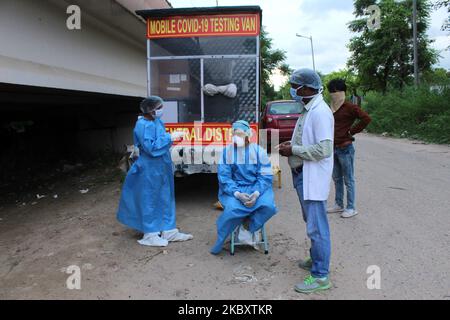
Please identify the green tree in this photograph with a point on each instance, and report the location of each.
(271, 59)
(284, 92)
(438, 76)
(383, 58)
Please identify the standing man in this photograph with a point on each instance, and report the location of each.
(349, 119)
(310, 156)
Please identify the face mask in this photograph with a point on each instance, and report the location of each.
(337, 100)
(240, 142)
(159, 113)
(295, 96)
(301, 99)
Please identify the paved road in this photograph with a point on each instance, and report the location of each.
(403, 195)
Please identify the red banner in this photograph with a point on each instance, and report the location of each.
(207, 134)
(204, 26)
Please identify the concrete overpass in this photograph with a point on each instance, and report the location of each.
(106, 56)
(65, 93)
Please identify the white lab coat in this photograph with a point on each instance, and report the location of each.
(318, 126)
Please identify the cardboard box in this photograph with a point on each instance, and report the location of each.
(174, 86)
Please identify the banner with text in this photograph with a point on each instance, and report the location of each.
(207, 134)
(204, 26)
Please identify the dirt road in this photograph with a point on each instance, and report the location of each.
(403, 195)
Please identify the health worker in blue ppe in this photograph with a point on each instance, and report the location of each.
(148, 195)
(245, 186)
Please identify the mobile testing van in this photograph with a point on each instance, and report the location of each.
(205, 64)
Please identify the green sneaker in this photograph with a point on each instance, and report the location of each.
(311, 285)
(306, 264)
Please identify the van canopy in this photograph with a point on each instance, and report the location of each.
(159, 13)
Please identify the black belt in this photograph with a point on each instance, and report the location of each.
(298, 170)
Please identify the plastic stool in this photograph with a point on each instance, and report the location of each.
(263, 242)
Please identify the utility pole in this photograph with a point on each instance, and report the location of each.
(415, 41)
(312, 48)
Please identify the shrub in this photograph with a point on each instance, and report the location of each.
(414, 112)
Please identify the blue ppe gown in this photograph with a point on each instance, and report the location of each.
(148, 194)
(245, 170)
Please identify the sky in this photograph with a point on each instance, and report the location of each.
(324, 20)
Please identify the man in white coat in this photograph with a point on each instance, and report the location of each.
(310, 154)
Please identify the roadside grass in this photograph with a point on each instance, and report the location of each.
(416, 113)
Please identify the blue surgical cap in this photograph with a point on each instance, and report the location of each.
(150, 104)
(242, 125)
(306, 77)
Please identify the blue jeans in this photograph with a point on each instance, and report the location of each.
(315, 216)
(344, 173)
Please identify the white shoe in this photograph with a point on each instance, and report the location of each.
(335, 209)
(349, 213)
(256, 240)
(245, 236)
(153, 240)
(248, 238)
(176, 236)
